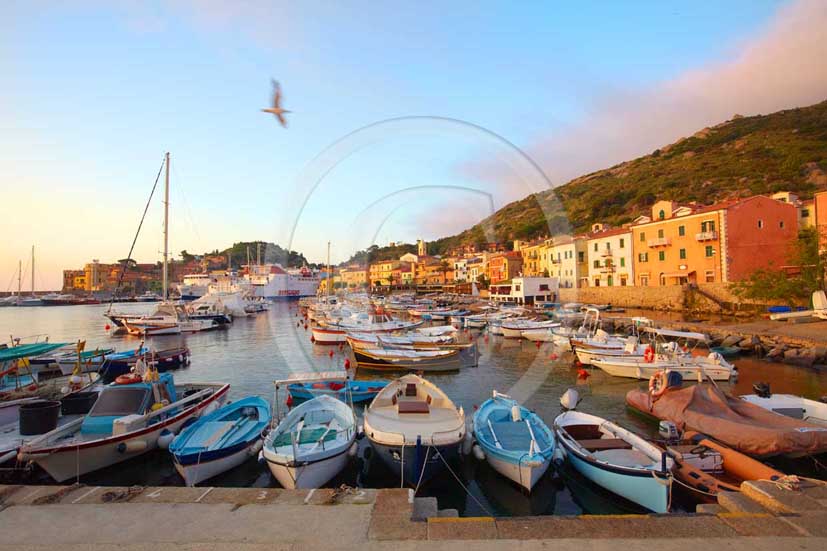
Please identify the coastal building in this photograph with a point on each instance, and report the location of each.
(609, 256)
(804, 208)
(430, 270)
(421, 247)
(504, 266)
(532, 253)
(564, 257)
(525, 290)
(475, 268)
(354, 277)
(460, 270)
(710, 244)
(381, 273)
(820, 208)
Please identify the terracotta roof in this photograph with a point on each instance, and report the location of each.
(607, 233)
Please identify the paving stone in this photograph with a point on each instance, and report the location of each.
(394, 499)
(813, 522)
(7, 490)
(424, 508)
(467, 528)
(448, 513)
(708, 509)
(240, 496)
(168, 494)
(759, 524)
(779, 500)
(394, 526)
(27, 495)
(736, 502)
(615, 526)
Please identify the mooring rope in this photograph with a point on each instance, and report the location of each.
(483, 507)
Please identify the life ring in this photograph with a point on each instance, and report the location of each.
(657, 384)
(649, 354)
(128, 379)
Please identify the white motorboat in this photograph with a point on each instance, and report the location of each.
(312, 444)
(513, 329)
(797, 407)
(126, 421)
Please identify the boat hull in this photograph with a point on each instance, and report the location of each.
(522, 474)
(309, 475)
(644, 370)
(412, 465)
(195, 473)
(365, 361)
(328, 336)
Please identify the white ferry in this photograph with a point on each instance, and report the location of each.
(272, 281)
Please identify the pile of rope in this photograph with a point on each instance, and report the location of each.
(121, 496)
(56, 496)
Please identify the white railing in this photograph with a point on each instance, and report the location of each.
(659, 242)
(706, 236)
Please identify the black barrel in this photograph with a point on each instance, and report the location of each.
(78, 403)
(38, 417)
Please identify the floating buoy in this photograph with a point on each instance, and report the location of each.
(582, 374)
(553, 356)
(107, 327)
(538, 343)
(330, 353)
(478, 453)
(347, 363)
(298, 323)
(578, 363)
(312, 338)
(485, 338)
(165, 438)
(289, 401)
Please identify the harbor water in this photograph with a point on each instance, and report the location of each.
(259, 349)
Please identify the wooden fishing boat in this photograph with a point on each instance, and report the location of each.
(344, 389)
(415, 429)
(221, 440)
(514, 440)
(312, 444)
(126, 421)
(616, 459)
(514, 329)
(401, 359)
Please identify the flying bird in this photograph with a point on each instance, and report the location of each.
(276, 110)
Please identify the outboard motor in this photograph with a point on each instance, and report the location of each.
(762, 390)
(570, 399)
(668, 431)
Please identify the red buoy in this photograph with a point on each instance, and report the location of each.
(330, 353)
(538, 343)
(347, 363)
(289, 400)
(582, 374)
(553, 356)
(312, 338)
(578, 363)
(107, 327)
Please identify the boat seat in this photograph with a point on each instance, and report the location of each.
(583, 432)
(598, 444)
(413, 406)
(410, 390)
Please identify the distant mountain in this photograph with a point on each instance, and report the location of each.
(744, 156)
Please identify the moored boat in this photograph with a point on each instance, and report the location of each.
(616, 459)
(344, 389)
(415, 429)
(408, 359)
(797, 407)
(515, 441)
(221, 440)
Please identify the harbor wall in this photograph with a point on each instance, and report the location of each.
(709, 297)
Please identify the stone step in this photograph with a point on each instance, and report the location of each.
(736, 502)
(424, 508)
(709, 509)
(780, 500)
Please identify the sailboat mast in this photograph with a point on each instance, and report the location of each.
(19, 279)
(166, 228)
(328, 269)
(32, 270)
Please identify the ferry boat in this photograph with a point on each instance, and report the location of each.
(272, 281)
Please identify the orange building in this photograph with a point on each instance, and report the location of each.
(820, 202)
(711, 244)
(504, 266)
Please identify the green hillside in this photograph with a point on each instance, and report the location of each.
(745, 156)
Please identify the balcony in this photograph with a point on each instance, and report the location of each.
(659, 242)
(606, 269)
(707, 236)
(607, 253)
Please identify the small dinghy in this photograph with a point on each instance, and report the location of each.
(516, 442)
(797, 407)
(312, 444)
(220, 441)
(345, 390)
(616, 459)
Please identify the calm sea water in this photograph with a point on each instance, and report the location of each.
(259, 349)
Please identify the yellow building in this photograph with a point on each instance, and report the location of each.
(533, 253)
(381, 273)
(354, 277)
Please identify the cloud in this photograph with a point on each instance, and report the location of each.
(781, 67)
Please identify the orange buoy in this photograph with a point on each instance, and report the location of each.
(582, 374)
(127, 379)
(537, 343)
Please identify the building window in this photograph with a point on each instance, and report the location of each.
(681, 230)
(643, 257)
(805, 213)
(610, 281)
(682, 253)
(597, 283)
(661, 255)
(781, 224)
(622, 242)
(660, 234)
(709, 225)
(644, 281)
(581, 256)
(760, 223)
(661, 214)
(710, 251)
(622, 262)
(643, 236)
(622, 281)
(595, 247)
(710, 276)
(596, 263)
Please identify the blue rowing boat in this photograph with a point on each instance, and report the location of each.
(515, 441)
(220, 441)
(360, 391)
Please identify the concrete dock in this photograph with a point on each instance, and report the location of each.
(763, 517)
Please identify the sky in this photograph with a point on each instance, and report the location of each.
(408, 119)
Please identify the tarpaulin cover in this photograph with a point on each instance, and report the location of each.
(743, 426)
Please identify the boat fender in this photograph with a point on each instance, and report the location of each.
(165, 439)
(132, 446)
(467, 443)
(657, 384)
(570, 399)
(649, 355)
(354, 449)
(478, 453)
(516, 414)
(261, 459)
(128, 379)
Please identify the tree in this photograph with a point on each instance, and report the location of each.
(187, 257)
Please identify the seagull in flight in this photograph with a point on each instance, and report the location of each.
(276, 109)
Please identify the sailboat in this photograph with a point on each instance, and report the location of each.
(169, 318)
(31, 300)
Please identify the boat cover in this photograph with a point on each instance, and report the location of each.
(746, 427)
(28, 350)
